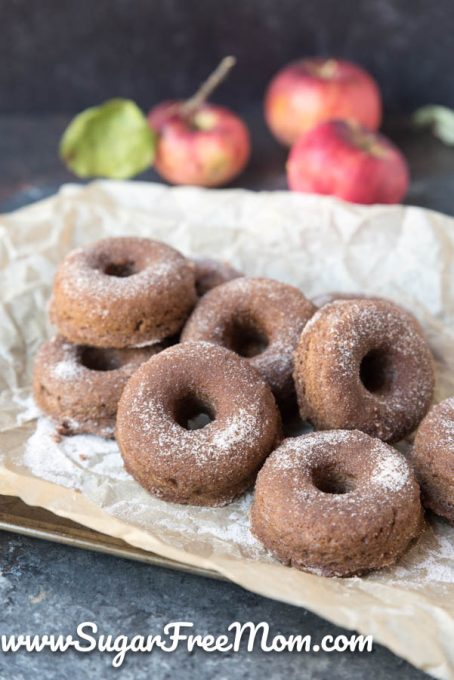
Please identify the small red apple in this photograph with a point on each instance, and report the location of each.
(346, 160)
(207, 148)
(311, 91)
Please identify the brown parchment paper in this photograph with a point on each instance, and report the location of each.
(318, 244)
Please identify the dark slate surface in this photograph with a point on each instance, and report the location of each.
(51, 588)
(30, 168)
(64, 55)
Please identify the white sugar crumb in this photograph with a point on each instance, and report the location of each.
(438, 560)
(307, 446)
(284, 459)
(29, 410)
(429, 562)
(65, 460)
(66, 370)
(333, 437)
(444, 416)
(391, 472)
(94, 466)
(147, 343)
(239, 428)
(226, 526)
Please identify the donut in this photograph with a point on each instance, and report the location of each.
(195, 423)
(364, 365)
(210, 273)
(433, 458)
(260, 319)
(326, 298)
(79, 386)
(122, 292)
(336, 503)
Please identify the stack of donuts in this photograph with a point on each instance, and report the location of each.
(113, 304)
(194, 369)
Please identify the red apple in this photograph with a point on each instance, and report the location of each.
(346, 160)
(209, 148)
(311, 91)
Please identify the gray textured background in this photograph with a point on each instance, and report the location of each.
(62, 55)
(52, 588)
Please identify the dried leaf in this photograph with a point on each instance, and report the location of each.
(441, 120)
(111, 140)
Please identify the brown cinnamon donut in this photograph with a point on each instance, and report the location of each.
(365, 365)
(80, 386)
(336, 503)
(326, 298)
(188, 386)
(433, 459)
(122, 292)
(260, 319)
(210, 273)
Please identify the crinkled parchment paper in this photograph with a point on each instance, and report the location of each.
(318, 244)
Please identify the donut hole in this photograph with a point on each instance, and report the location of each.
(245, 338)
(376, 371)
(193, 413)
(121, 269)
(96, 359)
(332, 480)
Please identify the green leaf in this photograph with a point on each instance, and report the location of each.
(111, 140)
(440, 118)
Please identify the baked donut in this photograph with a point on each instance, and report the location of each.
(364, 365)
(80, 386)
(433, 458)
(260, 319)
(336, 503)
(210, 273)
(195, 423)
(326, 298)
(122, 292)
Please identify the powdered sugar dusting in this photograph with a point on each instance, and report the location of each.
(275, 310)
(237, 430)
(86, 277)
(308, 446)
(28, 408)
(204, 445)
(65, 460)
(443, 419)
(94, 466)
(238, 433)
(391, 473)
(66, 370)
(429, 562)
(389, 470)
(337, 339)
(437, 560)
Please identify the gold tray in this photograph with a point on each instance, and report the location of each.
(23, 519)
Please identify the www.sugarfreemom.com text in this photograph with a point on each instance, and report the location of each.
(180, 634)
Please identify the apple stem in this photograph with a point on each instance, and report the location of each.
(207, 87)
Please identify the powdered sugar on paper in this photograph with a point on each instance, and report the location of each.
(94, 466)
